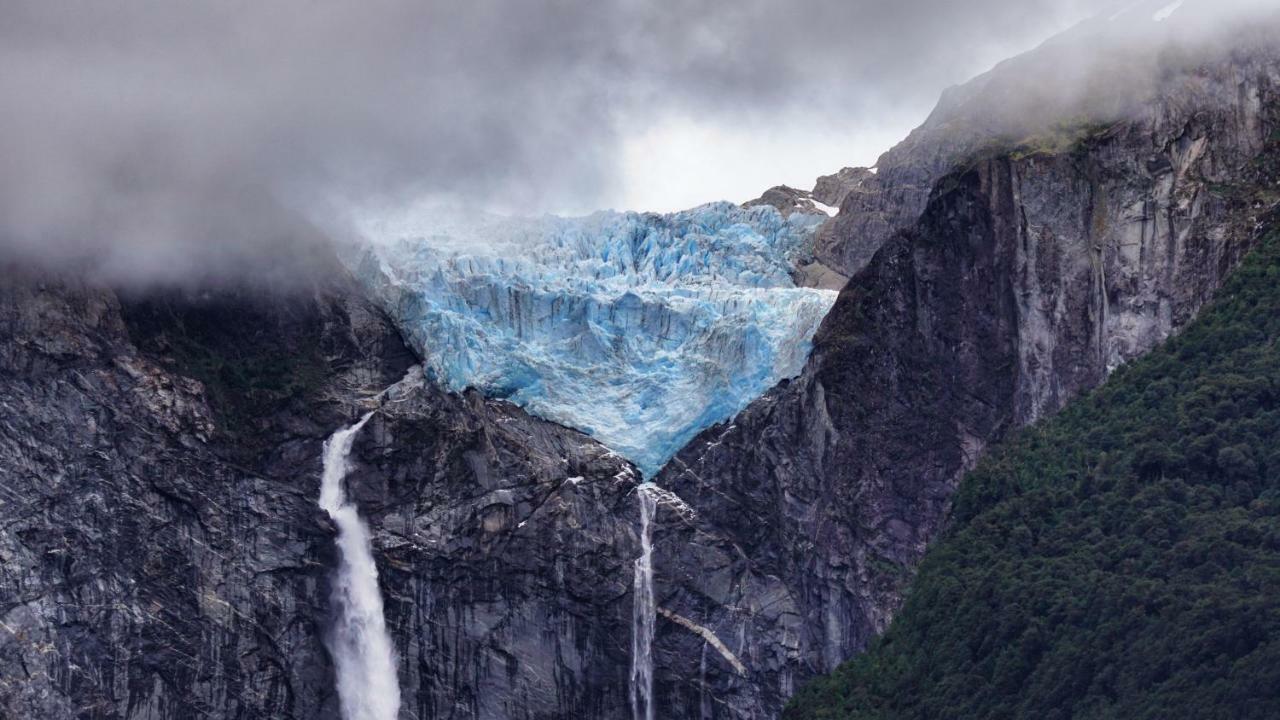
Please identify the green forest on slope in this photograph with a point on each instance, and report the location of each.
(1121, 560)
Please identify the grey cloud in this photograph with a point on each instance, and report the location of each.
(162, 141)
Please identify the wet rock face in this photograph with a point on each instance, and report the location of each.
(505, 548)
(1028, 278)
(144, 573)
(163, 554)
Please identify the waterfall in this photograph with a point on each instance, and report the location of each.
(363, 655)
(704, 700)
(643, 611)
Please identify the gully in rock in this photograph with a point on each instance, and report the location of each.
(363, 656)
(644, 611)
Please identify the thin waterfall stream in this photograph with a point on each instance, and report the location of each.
(363, 655)
(644, 610)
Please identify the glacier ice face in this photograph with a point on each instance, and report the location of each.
(638, 329)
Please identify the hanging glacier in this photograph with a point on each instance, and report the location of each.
(639, 329)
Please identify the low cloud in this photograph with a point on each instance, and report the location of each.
(178, 142)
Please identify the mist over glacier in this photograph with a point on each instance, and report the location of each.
(639, 329)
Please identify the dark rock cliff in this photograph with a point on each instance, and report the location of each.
(1107, 70)
(148, 569)
(163, 555)
(505, 546)
(1035, 269)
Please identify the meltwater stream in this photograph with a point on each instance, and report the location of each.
(643, 611)
(363, 655)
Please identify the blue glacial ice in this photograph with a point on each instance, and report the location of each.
(638, 329)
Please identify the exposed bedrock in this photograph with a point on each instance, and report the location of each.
(1031, 274)
(163, 555)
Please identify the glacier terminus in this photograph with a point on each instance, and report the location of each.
(639, 329)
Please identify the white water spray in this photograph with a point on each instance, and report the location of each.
(643, 611)
(363, 655)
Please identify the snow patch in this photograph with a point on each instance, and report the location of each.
(830, 210)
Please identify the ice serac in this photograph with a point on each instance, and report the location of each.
(639, 329)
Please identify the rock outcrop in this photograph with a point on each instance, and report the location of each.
(833, 189)
(505, 546)
(809, 271)
(787, 200)
(1107, 70)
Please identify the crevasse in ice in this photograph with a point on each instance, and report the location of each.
(638, 329)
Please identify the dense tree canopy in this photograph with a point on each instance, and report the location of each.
(1121, 560)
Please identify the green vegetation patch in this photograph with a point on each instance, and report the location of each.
(1065, 137)
(1121, 560)
(246, 382)
(254, 358)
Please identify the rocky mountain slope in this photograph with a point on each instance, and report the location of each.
(1035, 270)
(146, 571)
(1111, 68)
(162, 554)
(1121, 560)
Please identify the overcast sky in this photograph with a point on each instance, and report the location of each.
(823, 86)
(166, 135)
